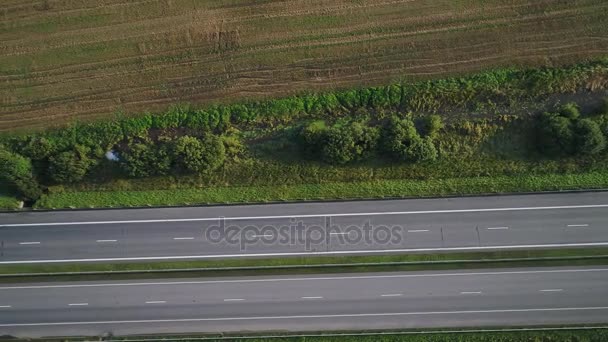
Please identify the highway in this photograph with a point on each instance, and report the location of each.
(530, 296)
(333, 228)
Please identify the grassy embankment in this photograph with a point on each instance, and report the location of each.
(330, 191)
(62, 61)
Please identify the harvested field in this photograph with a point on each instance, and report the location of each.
(63, 60)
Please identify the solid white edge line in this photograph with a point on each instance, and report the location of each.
(216, 319)
(281, 254)
(448, 211)
(30, 243)
(270, 280)
(578, 225)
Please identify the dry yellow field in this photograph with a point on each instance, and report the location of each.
(63, 60)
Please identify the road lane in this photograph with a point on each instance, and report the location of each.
(579, 219)
(299, 303)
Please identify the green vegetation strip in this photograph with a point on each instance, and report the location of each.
(554, 334)
(330, 191)
(8, 202)
(305, 265)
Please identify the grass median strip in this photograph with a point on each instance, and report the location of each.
(304, 265)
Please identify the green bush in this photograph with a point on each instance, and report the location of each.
(422, 150)
(589, 137)
(70, 166)
(312, 138)
(143, 160)
(431, 125)
(38, 148)
(403, 142)
(16, 170)
(351, 142)
(199, 156)
(233, 146)
(570, 111)
(555, 135)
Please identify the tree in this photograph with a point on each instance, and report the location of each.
(16, 170)
(70, 166)
(403, 142)
(589, 137)
(555, 134)
(197, 155)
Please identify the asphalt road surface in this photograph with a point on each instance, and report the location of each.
(530, 296)
(455, 224)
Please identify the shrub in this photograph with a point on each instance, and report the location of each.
(16, 170)
(200, 156)
(142, 160)
(233, 146)
(570, 111)
(38, 148)
(422, 149)
(589, 137)
(312, 137)
(70, 166)
(555, 134)
(338, 146)
(404, 143)
(431, 125)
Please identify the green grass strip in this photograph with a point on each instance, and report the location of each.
(308, 265)
(548, 334)
(329, 191)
